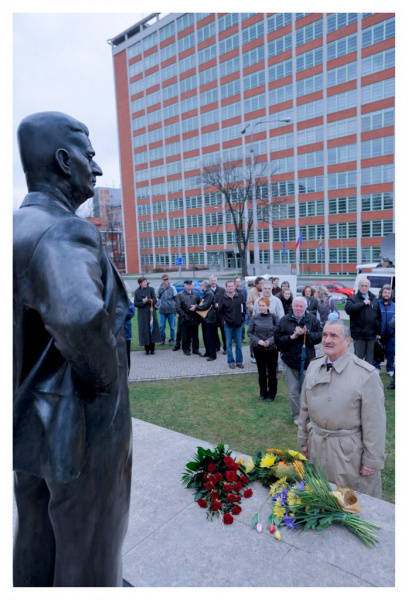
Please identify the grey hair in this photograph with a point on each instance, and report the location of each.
(266, 282)
(344, 327)
(302, 299)
(206, 284)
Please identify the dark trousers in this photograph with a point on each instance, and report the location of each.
(150, 348)
(365, 349)
(267, 362)
(178, 334)
(128, 342)
(209, 332)
(189, 335)
(219, 326)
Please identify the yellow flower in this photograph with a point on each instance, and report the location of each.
(297, 455)
(250, 466)
(279, 510)
(240, 461)
(267, 460)
(277, 486)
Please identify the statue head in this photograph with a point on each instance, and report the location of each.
(56, 153)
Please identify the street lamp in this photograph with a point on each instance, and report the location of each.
(254, 205)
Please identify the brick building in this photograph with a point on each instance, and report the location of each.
(315, 96)
(107, 216)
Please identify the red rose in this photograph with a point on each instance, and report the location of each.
(212, 467)
(205, 476)
(237, 498)
(227, 460)
(216, 506)
(227, 487)
(231, 498)
(214, 495)
(218, 477)
(227, 519)
(202, 502)
(237, 486)
(235, 466)
(248, 493)
(231, 476)
(209, 485)
(244, 479)
(211, 478)
(236, 510)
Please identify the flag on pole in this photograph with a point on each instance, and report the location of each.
(299, 241)
(284, 245)
(319, 248)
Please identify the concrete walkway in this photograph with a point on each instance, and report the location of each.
(170, 543)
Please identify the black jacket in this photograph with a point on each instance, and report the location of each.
(231, 311)
(365, 319)
(312, 305)
(183, 302)
(291, 349)
(208, 303)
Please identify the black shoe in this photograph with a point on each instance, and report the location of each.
(211, 358)
(269, 399)
(224, 352)
(218, 349)
(261, 397)
(391, 386)
(152, 352)
(147, 352)
(175, 348)
(187, 353)
(198, 353)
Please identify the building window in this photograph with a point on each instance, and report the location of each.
(378, 62)
(252, 81)
(311, 184)
(187, 84)
(378, 174)
(253, 56)
(339, 231)
(343, 255)
(209, 97)
(146, 243)
(342, 46)
(377, 228)
(379, 32)
(194, 220)
(172, 129)
(187, 63)
(342, 74)
(378, 91)
(342, 101)
(167, 51)
(175, 204)
(377, 147)
(145, 226)
(310, 160)
(135, 69)
(344, 179)
(185, 21)
(191, 143)
(342, 128)
(228, 44)
(281, 94)
(282, 69)
(156, 153)
(309, 59)
(379, 201)
(341, 154)
(186, 42)
(279, 257)
(207, 54)
(280, 45)
(252, 33)
(231, 88)
(377, 119)
(150, 40)
(309, 32)
(196, 258)
(313, 208)
(226, 21)
(250, 104)
(167, 31)
(342, 205)
(284, 233)
(339, 20)
(283, 165)
(284, 211)
(210, 117)
(193, 202)
(282, 142)
(309, 85)
(215, 239)
(229, 66)
(173, 148)
(143, 209)
(204, 33)
(135, 49)
(171, 110)
(310, 136)
(310, 110)
(279, 20)
(160, 225)
(370, 254)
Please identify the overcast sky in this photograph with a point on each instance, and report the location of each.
(62, 62)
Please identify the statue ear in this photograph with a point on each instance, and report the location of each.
(63, 160)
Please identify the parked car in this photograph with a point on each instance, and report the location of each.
(179, 285)
(333, 286)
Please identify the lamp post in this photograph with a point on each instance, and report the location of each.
(254, 205)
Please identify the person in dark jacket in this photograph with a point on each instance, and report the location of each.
(286, 298)
(166, 295)
(261, 332)
(308, 293)
(365, 320)
(186, 301)
(218, 291)
(231, 310)
(325, 304)
(208, 315)
(289, 338)
(128, 329)
(387, 339)
(145, 302)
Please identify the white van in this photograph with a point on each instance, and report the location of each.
(377, 278)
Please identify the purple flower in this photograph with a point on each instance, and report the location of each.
(301, 485)
(290, 522)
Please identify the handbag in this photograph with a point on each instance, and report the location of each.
(379, 351)
(203, 313)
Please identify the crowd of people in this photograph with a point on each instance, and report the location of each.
(336, 397)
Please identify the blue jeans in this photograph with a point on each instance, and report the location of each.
(236, 334)
(172, 320)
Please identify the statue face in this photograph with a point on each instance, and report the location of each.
(84, 169)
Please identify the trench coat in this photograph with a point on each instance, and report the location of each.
(143, 316)
(342, 421)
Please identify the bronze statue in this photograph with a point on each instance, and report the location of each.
(72, 425)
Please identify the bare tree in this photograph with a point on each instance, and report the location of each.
(233, 180)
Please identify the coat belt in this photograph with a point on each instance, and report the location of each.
(334, 432)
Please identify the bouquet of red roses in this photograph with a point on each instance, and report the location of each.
(219, 482)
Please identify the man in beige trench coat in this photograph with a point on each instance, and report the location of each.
(342, 416)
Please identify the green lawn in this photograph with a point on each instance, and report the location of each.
(226, 409)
